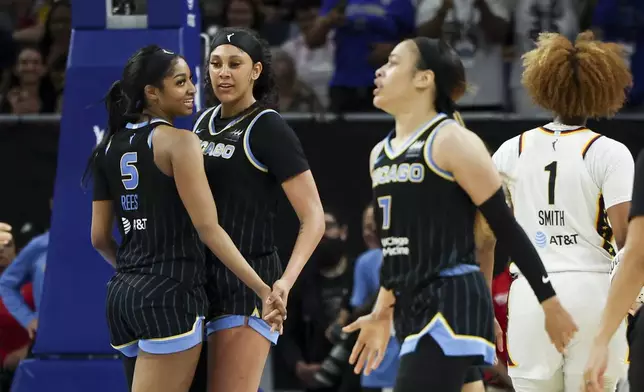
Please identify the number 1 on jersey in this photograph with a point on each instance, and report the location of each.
(551, 168)
(384, 202)
(129, 173)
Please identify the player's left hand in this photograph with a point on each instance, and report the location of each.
(281, 289)
(274, 313)
(371, 345)
(595, 368)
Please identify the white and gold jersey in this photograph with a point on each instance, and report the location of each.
(561, 180)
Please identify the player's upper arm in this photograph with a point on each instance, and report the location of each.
(506, 157)
(612, 168)
(191, 181)
(271, 145)
(99, 177)
(102, 224)
(462, 154)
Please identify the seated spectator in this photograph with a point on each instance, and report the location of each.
(27, 267)
(622, 21)
(28, 90)
(14, 339)
(57, 34)
(476, 30)
(365, 32)
(314, 66)
(294, 94)
(532, 17)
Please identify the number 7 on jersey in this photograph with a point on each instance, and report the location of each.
(384, 202)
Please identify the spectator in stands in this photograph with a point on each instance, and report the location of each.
(276, 28)
(27, 267)
(5, 235)
(366, 284)
(242, 13)
(14, 339)
(314, 66)
(314, 304)
(24, 21)
(294, 94)
(476, 29)
(365, 33)
(622, 21)
(28, 90)
(57, 34)
(532, 17)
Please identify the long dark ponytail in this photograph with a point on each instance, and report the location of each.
(125, 99)
(449, 72)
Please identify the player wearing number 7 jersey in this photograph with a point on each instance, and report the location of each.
(150, 177)
(430, 176)
(571, 190)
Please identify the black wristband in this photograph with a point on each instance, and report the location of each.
(514, 239)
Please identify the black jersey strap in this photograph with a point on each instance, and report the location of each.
(512, 237)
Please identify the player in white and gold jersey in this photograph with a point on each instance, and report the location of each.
(571, 190)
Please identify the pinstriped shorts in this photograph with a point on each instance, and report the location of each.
(154, 313)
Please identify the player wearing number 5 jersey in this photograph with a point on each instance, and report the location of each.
(571, 190)
(150, 177)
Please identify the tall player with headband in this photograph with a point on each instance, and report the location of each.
(252, 157)
(150, 177)
(429, 177)
(571, 189)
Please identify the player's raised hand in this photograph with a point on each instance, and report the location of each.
(371, 345)
(559, 323)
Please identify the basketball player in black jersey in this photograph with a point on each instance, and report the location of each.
(429, 176)
(252, 156)
(150, 177)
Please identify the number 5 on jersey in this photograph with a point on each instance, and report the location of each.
(129, 173)
(384, 202)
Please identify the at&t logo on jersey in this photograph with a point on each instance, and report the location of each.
(217, 149)
(404, 172)
(137, 224)
(542, 239)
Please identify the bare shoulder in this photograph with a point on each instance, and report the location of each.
(168, 136)
(454, 138)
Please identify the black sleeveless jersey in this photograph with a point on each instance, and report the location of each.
(426, 219)
(157, 236)
(247, 159)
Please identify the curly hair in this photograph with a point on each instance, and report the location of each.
(586, 79)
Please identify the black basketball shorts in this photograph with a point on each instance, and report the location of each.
(232, 303)
(154, 314)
